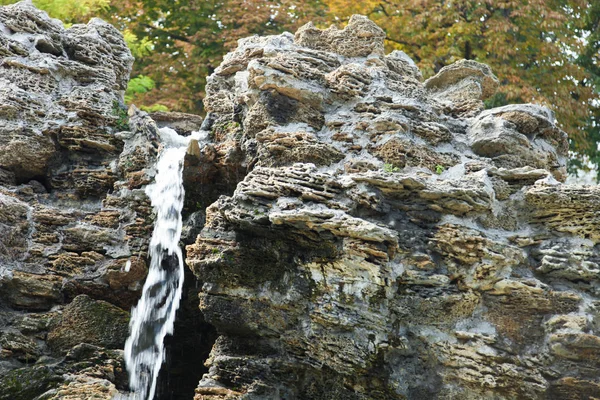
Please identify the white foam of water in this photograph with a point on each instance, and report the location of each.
(153, 317)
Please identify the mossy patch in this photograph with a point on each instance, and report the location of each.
(122, 119)
(28, 383)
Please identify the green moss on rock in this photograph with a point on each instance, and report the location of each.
(28, 383)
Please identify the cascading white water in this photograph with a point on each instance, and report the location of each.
(153, 317)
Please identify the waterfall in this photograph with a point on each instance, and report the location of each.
(153, 317)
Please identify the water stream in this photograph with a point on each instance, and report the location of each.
(153, 317)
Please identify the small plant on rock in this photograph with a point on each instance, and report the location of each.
(122, 122)
(390, 168)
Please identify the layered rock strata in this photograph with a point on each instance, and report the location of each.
(389, 238)
(74, 219)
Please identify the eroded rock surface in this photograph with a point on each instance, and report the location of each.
(355, 232)
(388, 237)
(74, 219)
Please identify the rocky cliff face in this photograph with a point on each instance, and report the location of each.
(391, 238)
(353, 231)
(74, 223)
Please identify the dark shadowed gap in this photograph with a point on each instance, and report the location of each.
(187, 349)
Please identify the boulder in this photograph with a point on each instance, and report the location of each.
(94, 322)
(74, 77)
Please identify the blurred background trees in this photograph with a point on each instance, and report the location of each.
(190, 38)
(543, 51)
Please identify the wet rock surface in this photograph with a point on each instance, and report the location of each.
(85, 320)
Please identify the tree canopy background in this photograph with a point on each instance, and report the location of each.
(543, 51)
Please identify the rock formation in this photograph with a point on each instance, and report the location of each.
(391, 239)
(72, 214)
(354, 232)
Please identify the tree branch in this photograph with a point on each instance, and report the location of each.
(402, 42)
(383, 9)
(167, 33)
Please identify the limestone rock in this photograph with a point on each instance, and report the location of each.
(466, 78)
(84, 387)
(401, 63)
(88, 321)
(31, 291)
(388, 238)
(28, 383)
(19, 346)
(360, 38)
(74, 77)
(73, 215)
(517, 136)
(462, 86)
(86, 372)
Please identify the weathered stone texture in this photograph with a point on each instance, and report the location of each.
(355, 232)
(74, 220)
(61, 90)
(86, 320)
(390, 238)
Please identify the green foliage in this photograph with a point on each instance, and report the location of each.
(439, 169)
(154, 108)
(72, 11)
(69, 11)
(139, 84)
(189, 39)
(122, 119)
(390, 168)
(139, 47)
